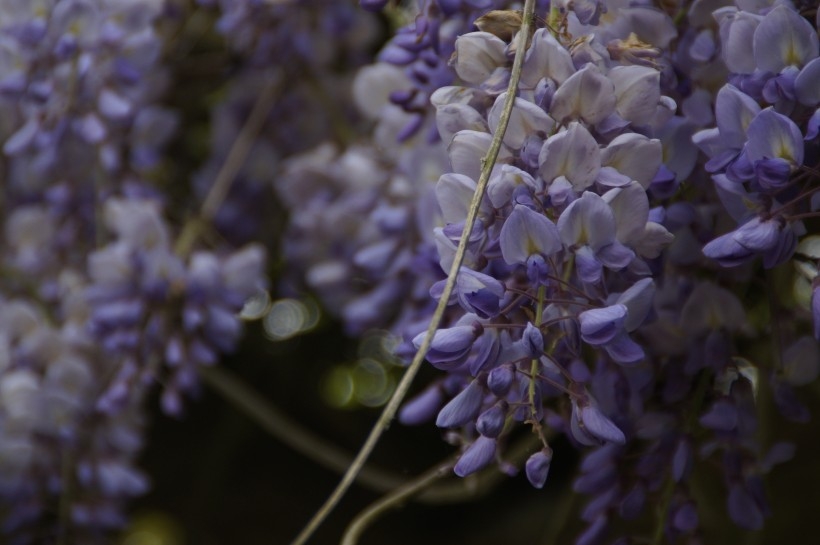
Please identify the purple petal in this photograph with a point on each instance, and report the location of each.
(813, 126)
(91, 128)
(727, 251)
(504, 182)
(615, 256)
(468, 148)
(476, 457)
(633, 503)
(546, 57)
(23, 138)
(538, 467)
(452, 118)
(533, 341)
(703, 47)
(600, 325)
(526, 233)
(423, 407)
(587, 221)
(479, 293)
(598, 425)
(610, 177)
(485, 353)
(782, 39)
(757, 235)
(589, 268)
(572, 153)
(635, 156)
(806, 88)
(788, 403)
(722, 416)
(478, 54)
(743, 509)
(772, 173)
(630, 206)
(595, 533)
(525, 119)
(500, 380)
(113, 105)
(682, 461)
(638, 92)
(490, 423)
(734, 111)
(638, 300)
(454, 192)
(685, 518)
(587, 94)
(463, 408)
(773, 135)
(449, 344)
(801, 362)
(737, 30)
(624, 350)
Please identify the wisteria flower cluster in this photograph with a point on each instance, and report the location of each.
(584, 304)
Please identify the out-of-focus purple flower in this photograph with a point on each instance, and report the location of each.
(743, 508)
(757, 236)
(423, 407)
(722, 416)
(605, 327)
(590, 426)
(373, 5)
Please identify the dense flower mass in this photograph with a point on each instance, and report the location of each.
(577, 308)
(102, 299)
(642, 278)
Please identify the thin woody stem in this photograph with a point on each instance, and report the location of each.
(404, 385)
(236, 158)
(394, 499)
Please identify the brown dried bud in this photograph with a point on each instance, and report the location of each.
(503, 23)
(633, 51)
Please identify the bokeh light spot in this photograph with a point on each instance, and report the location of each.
(290, 317)
(372, 385)
(153, 528)
(256, 307)
(337, 387)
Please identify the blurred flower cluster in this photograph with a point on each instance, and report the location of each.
(643, 277)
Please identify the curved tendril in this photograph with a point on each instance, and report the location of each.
(392, 500)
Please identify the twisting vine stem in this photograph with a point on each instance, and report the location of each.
(407, 379)
(394, 499)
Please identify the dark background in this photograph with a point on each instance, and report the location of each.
(219, 479)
